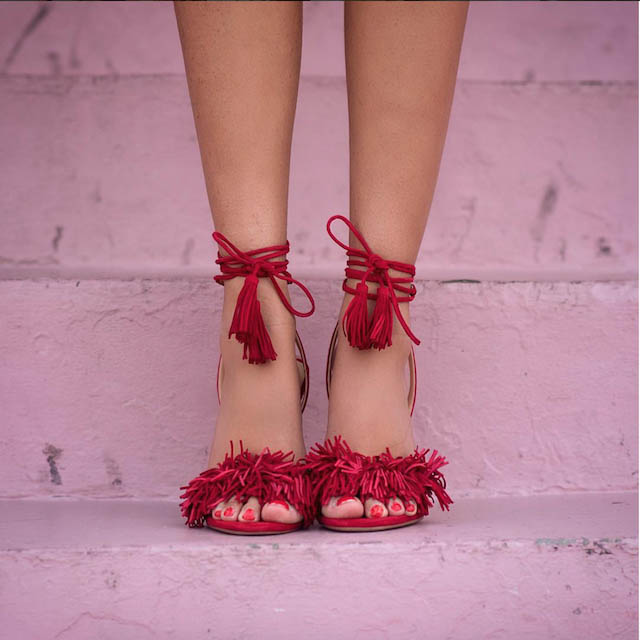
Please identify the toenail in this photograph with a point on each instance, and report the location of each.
(228, 512)
(376, 511)
(280, 503)
(249, 515)
(218, 513)
(396, 506)
(410, 507)
(344, 499)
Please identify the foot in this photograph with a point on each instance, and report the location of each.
(259, 403)
(369, 408)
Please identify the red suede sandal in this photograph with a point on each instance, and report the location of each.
(268, 476)
(337, 470)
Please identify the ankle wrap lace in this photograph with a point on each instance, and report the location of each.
(362, 331)
(247, 324)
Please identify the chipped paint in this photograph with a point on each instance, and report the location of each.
(52, 454)
(601, 546)
(40, 13)
(57, 237)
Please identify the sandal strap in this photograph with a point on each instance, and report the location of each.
(247, 324)
(365, 265)
(337, 470)
(268, 476)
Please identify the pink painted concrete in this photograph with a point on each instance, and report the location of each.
(553, 567)
(537, 182)
(527, 387)
(516, 42)
(108, 339)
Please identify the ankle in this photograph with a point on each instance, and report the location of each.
(273, 311)
(279, 323)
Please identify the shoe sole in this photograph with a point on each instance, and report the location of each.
(355, 525)
(234, 527)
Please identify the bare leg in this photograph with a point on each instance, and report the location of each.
(243, 64)
(402, 61)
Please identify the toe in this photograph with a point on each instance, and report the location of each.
(216, 512)
(250, 512)
(395, 507)
(375, 509)
(230, 509)
(410, 507)
(280, 511)
(343, 507)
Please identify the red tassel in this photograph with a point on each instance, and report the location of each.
(355, 321)
(382, 321)
(248, 325)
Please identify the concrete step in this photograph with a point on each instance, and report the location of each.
(537, 182)
(108, 386)
(519, 42)
(536, 567)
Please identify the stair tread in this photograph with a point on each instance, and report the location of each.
(562, 566)
(596, 520)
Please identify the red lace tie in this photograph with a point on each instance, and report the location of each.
(247, 323)
(363, 264)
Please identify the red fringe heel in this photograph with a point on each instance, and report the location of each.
(335, 469)
(268, 476)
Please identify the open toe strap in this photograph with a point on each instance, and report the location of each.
(336, 470)
(266, 476)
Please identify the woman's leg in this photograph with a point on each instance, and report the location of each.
(243, 63)
(402, 61)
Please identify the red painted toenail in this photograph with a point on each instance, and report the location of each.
(344, 499)
(228, 512)
(376, 511)
(281, 503)
(249, 515)
(218, 513)
(396, 506)
(410, 507)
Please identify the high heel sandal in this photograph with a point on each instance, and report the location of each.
(335, 469)
(268, 476)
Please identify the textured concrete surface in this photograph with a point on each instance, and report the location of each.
(527, 379)
(108, 386)
(537, 567)
(518, 42)
(537, 181)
